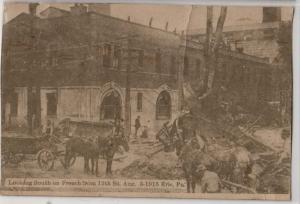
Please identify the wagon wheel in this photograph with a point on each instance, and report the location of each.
(5, 158)
(16, 158)
(45, 159)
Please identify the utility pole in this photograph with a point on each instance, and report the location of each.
(127, 92)
(129, 70)
(30, 73)
(33, 100)
(180, 76)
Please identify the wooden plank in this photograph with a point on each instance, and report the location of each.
(251, 190)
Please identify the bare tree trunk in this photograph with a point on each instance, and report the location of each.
(207, 51)
(219, 29)
(212, 48)
(209, 30)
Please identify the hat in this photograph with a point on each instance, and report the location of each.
(201, 167)
(285, 133)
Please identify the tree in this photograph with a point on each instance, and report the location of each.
(284, 60)
(212, 45)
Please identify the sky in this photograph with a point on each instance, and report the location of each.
(177, 16)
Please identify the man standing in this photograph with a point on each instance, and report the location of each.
(210, 181)
(137, 125)
(285, 152)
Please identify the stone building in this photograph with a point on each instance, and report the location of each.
(88, 66)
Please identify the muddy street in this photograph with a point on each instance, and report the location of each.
(122, 165)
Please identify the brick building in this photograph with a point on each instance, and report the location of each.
(89, 66)
(254, 39)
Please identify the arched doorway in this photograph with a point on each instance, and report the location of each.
(163, 106)
(111, 106)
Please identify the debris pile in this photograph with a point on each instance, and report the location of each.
(162, 166)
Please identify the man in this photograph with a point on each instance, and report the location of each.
(116, 127)
(119, 132)
(256, 170)
(137, 125)
(285, 152)
(210, 181)
(48, 130)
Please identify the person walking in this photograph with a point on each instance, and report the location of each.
(137, 126)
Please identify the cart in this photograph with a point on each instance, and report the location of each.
(47, 150)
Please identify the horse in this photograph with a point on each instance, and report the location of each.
(190, 152)
(190, 157)
(229, 164)
(233, 162)
(88, 149)
(107, 146)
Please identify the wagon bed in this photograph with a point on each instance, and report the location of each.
(15, 146)
(23, 144)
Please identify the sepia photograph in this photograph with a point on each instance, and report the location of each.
(146, 100)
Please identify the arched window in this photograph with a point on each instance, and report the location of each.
(111, 106)
(163, 106)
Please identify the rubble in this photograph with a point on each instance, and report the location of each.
(162, 166)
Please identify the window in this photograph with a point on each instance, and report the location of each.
(14, 104)
(141, 58)
(172, 65)
(240, 49)
(163, 106)
(158, 62)
(139, 103)
(198, 67)
(51, 104)
(54, 61)
(107, 55)
(186, 66)
(117, 57)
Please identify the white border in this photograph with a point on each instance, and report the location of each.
(296, 114)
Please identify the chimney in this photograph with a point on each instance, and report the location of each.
(166, 26)
(100, 8)
(32, 8)
(271, 14)
(150, 22)
(78, 9)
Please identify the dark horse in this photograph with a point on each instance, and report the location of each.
(106, 146)
(190, 153)
(109, 146)
(88, 149)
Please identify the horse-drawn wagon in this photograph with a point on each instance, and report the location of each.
(45, 148)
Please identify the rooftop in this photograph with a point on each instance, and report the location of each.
(94, 15)
(234, 28)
